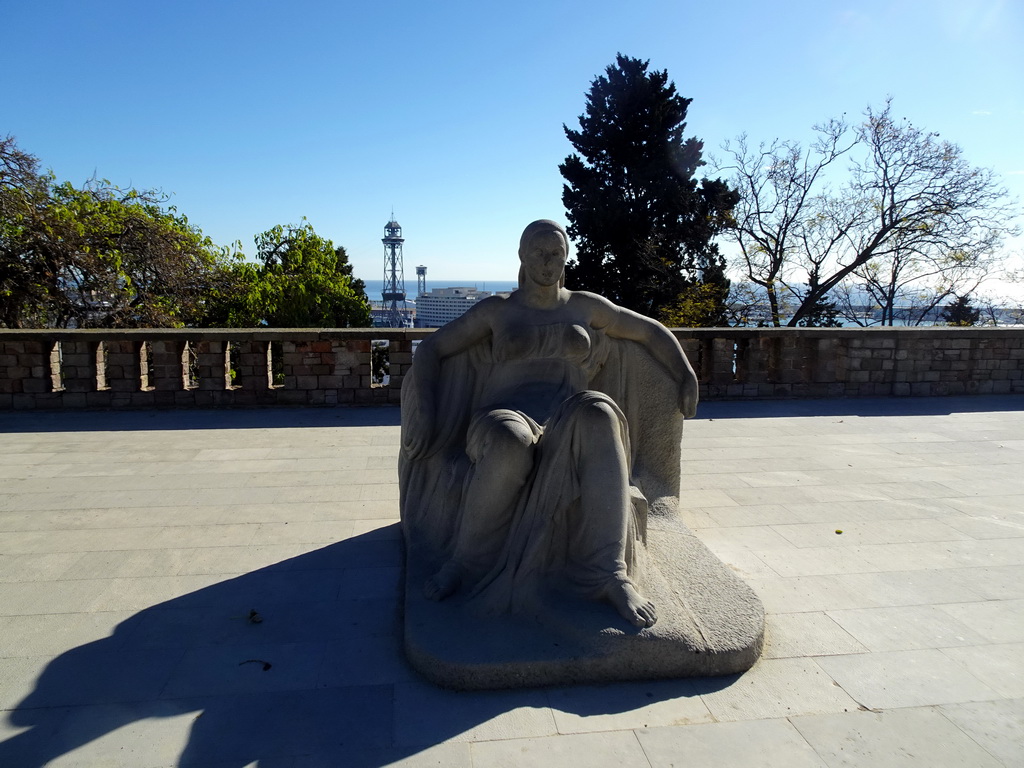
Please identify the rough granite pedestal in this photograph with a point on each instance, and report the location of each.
(709, 623)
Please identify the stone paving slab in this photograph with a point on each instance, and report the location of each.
(134, 548)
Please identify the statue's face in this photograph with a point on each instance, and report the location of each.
(544, 258)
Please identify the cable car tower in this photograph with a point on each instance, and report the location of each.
(393, 295)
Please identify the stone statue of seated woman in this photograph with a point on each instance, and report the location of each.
(518, 460)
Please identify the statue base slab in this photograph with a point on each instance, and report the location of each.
(709, 623)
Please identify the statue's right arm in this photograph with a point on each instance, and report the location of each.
(457, 336)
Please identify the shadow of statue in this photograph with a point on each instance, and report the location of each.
(312, 673)
(294, 658)
(199, 418)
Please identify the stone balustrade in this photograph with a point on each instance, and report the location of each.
(184, 368)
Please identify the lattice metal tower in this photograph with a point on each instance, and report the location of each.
(421, 280)
(394, 276)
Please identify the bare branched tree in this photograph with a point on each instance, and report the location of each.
(782, 187)
(911, 212)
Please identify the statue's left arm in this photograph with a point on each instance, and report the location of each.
(621, 323)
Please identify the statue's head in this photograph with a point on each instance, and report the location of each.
(543, 248)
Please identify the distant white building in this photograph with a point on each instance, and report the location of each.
(442, 305)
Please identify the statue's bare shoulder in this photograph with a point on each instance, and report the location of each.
(599, 311)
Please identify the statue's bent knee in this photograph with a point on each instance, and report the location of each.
(503, 439)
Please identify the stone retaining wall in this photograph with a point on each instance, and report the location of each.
(173, 368)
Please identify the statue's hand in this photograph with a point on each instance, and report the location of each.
(688, 394)
(421, 430)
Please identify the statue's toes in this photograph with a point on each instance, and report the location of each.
(647, 615)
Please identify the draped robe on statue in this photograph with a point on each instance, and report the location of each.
(549, 543)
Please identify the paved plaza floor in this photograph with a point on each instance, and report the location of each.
(221, 588)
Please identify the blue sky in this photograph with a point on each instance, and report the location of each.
(252, 114)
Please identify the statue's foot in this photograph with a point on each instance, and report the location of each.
(444, 582)
(634, 607)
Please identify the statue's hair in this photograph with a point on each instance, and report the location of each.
(541, 227)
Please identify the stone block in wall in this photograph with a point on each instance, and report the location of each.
(29, 363)
(691, 348)
(16, 372)
(163, 398)
(185, 398)
(73, 400)
(122, 365)
(34, 386)
(242, 397)
(722, 368)
(789, 375)
(166, 371)
(879, 342)
(253, 365)
(78, 365)
(212, 365)
(330, 382)
(204, 398)
(103, 398)
(143, 399)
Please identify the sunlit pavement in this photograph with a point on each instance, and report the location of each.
(221, 588)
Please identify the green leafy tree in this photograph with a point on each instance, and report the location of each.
(643, 225)
(97, 256)
(301, 280)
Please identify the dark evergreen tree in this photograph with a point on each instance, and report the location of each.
(961, 312)
(821, 311)
(642, 224)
